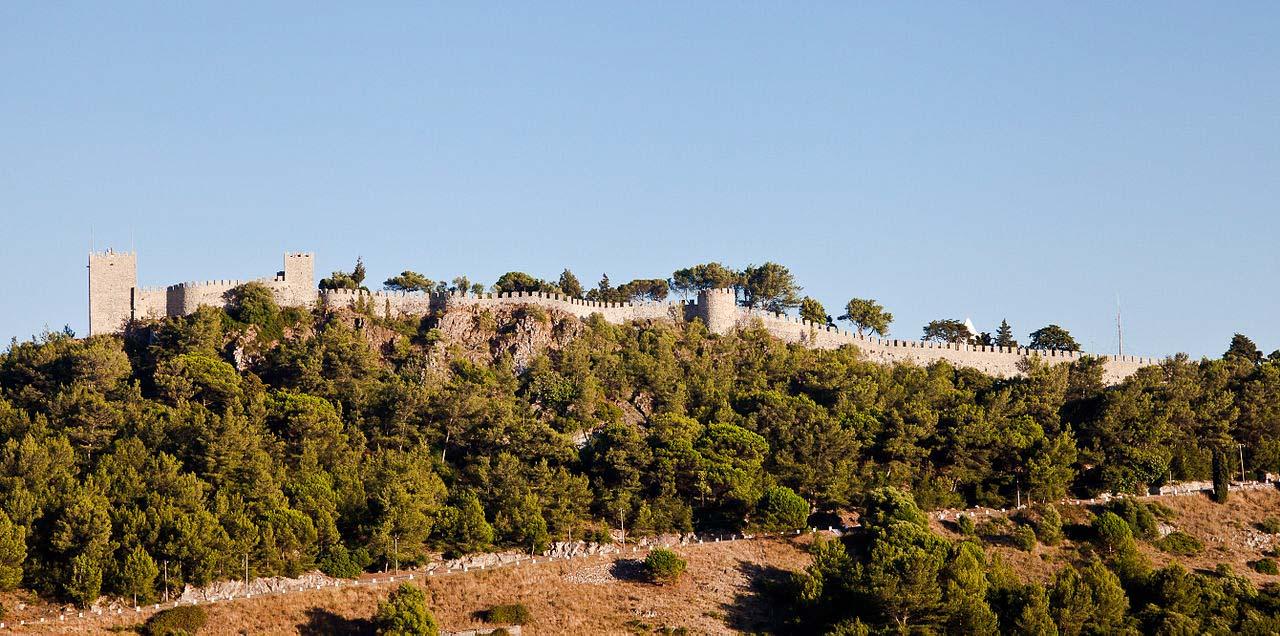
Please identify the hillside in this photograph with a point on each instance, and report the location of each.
(730, 587)
(288, 440)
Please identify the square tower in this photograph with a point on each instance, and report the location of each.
(113, 286)
(300, 267)
(299, 280)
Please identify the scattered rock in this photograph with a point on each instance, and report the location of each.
(223, 590)
(600, 574)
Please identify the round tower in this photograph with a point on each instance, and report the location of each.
(718, 308)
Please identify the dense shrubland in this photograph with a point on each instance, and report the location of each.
(896, 575)
(302, 441)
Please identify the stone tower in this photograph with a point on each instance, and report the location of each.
(718, 308)
(113, 288)
(299, 275)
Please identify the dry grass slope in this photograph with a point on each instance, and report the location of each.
(721, 593)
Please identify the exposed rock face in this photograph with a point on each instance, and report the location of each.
(236, 589)
(486, 334)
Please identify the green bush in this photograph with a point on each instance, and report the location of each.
(1265, 566)
(1025, 538)
(995, 527)
(338, 562)
(1179, 543)
(1048, 525)
(178, 621)
(1142, 517)
(663, 566)
(965, 522)
(781, 509)
(405, 612)
(254, 304)
(1114, 535)
(512, 614)
(1270, 525)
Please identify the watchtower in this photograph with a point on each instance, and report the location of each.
(299, 276)
(113, 288)
(718, 308)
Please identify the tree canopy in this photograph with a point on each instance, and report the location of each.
(769, 286)
(1004, 336)
(1053, 337)
(867, 315)
(947, 330)
(813, 311)
(570, 284)
(522, 282)
(409, 281)
(691, 280)
(194, 441)
(339, 279)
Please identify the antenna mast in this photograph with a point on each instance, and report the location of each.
(1119, 329)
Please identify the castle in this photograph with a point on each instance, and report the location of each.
(115, 299)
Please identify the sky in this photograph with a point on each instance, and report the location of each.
(1033, 162)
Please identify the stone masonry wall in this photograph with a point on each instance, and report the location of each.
(115, 299)
(400, 304)
(113, 277)
(994, 361)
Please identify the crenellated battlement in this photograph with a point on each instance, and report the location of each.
(205, 283)
(116, 299)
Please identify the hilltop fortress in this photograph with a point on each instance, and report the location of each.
(115, 299)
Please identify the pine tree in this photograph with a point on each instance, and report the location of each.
(358, 273)
(405, 613)
(471, 531)
(813, 311)
(13, 551)
(1221, 476)
(1243, 348)
(1034, 619)
(1004, 335)
(1108, 598)
(138, 578)
(569, 284)
(867, 315)
(85, 585)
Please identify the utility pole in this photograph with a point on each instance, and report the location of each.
(166, 581)
(1242, 474)
(622, 521)
(246, 575)
(395, 542)
(1018, 485)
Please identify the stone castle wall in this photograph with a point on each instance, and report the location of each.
(994, 361)
(399, 304)
(115, 299)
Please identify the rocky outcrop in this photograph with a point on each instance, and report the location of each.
(487, 334)
(222, 590)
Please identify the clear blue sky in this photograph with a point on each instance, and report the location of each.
(992, 160)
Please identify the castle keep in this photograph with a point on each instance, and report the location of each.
(115, 299)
